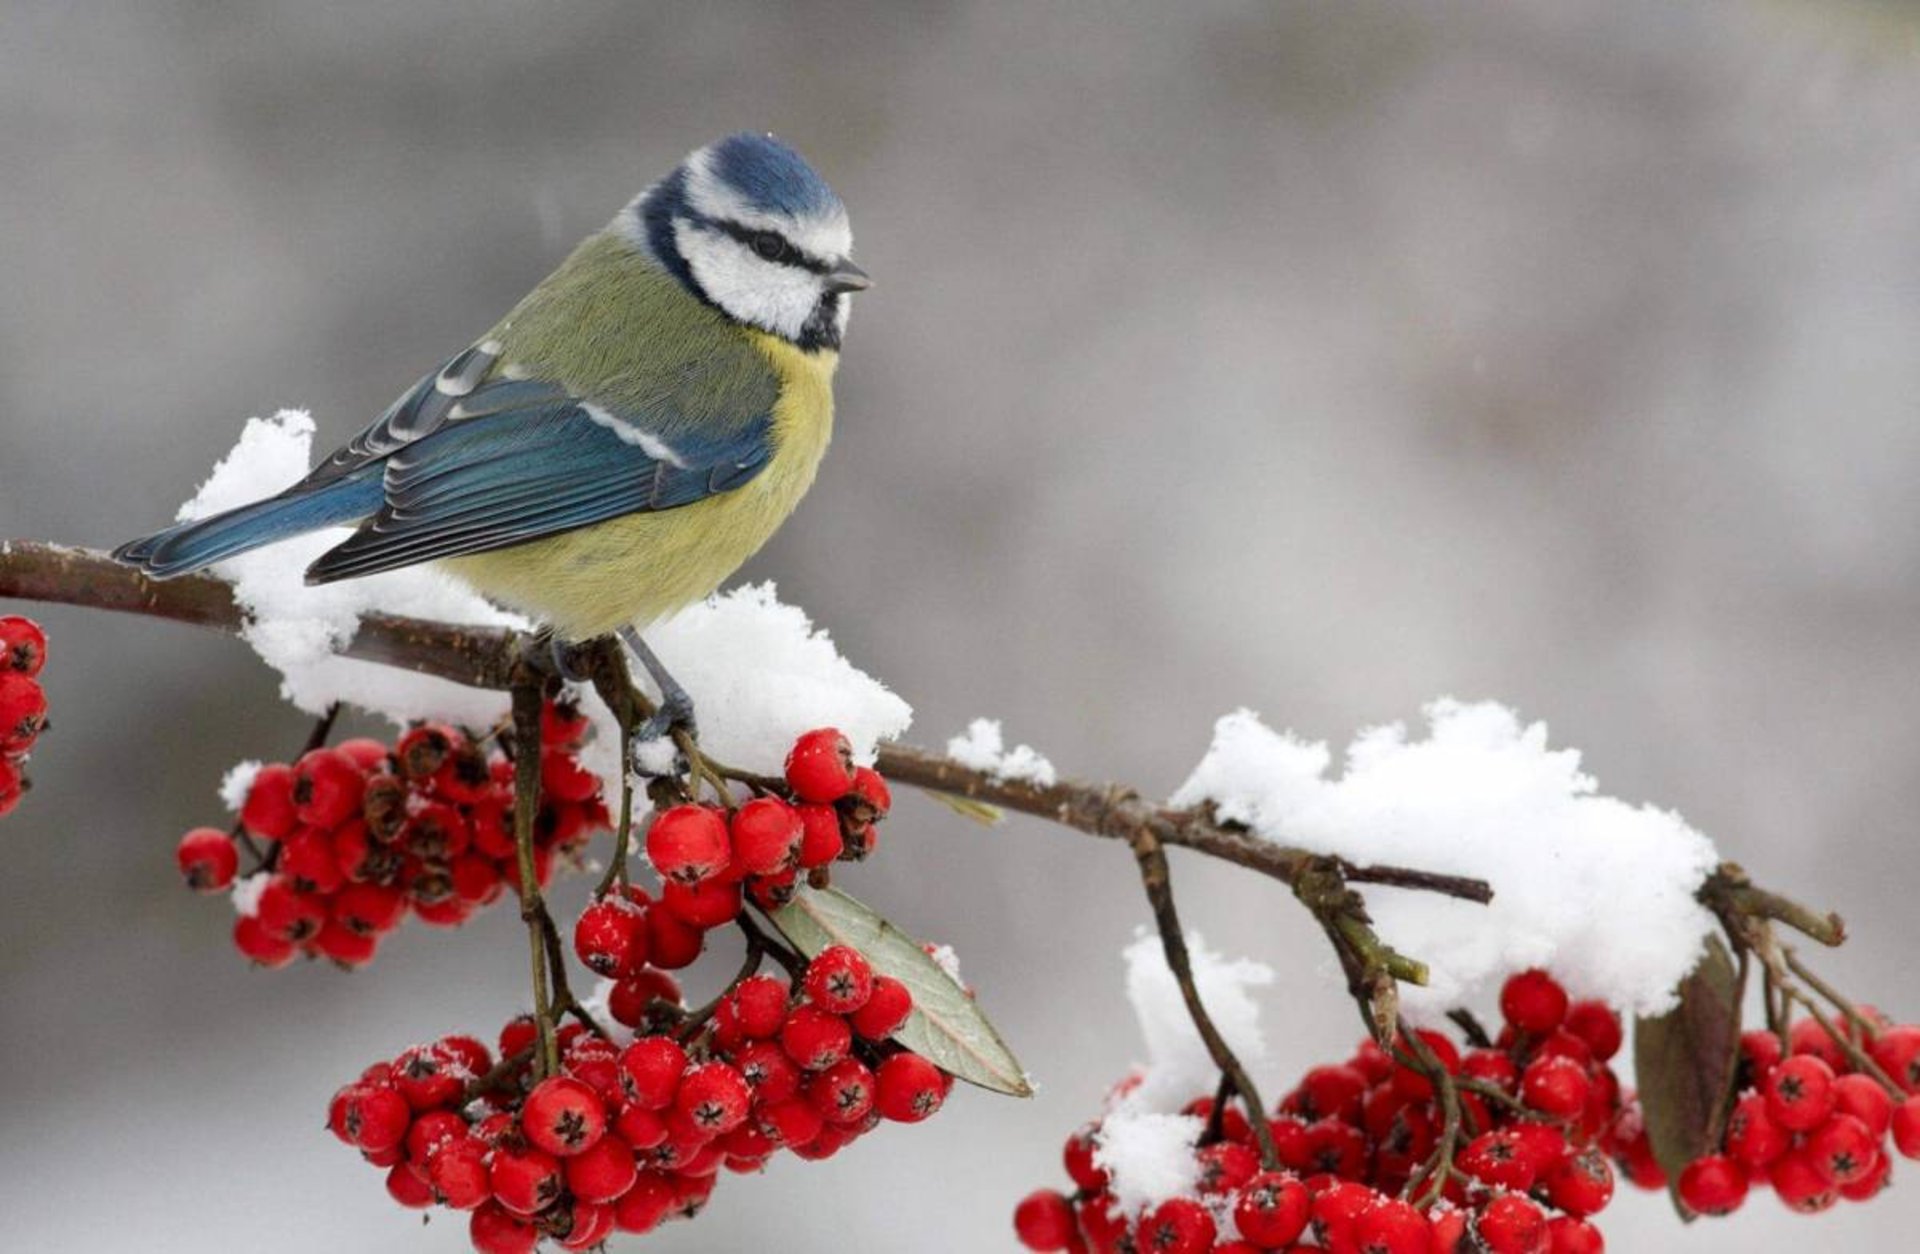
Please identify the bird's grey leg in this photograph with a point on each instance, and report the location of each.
(676, 707)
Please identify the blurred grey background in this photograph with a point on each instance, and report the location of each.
(1320, 357)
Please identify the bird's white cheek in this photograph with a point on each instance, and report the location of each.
(756, 291)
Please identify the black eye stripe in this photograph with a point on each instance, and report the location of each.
(791, 255)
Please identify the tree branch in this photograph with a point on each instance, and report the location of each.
(485, 657)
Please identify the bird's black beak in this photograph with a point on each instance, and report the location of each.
(847, 277)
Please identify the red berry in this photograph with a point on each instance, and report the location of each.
(562, 722)
(820, 766)
(1842, 1149)
(1897, 1051)
(839, 979)
(886, 1011)
(1500, 1158)
(592, 1224)
(1595, 1023)
(1179, 1225)
(791, 1122)
(458, 1173)
(307, 859)
(1337, 1206)
(1580, 1184)
(23, 711)
(1863, 1097)
(713, 1098)
(375, 1118)
(405, 1186)
(1533, 1002)
(642, 1207)
(908, 1088)
(651, 1069)
(23, 645)
(1492, 1065)
(672, 942)
(1272, 1209)
(429, 1076)
(1337, 1147)
(493, 1231)
(1327, 1091)
(564, 779)
(1078, 1159)
(1905, 1127)
(288, 913)
(207, 859)
(1392, 1226)
(1800, 1093)
(1555, 1086)
(610, 937)
(424, 748)
(327, 788)
(259, 946)
(1809, 1037)
(768, 1071)
(1512, 1225)
(1760, 1052)
(843, 1093)
(1799, 1185)
(1752, 1138)
(1043, 1221)
(1713, 1185)
(758, 1006)
(525, 1180)
(603, 1172)
(563, 1116)
(815, 1038)
(268, 810)
(871, 788)
(706, 905)
(765, 836)
(632, 998)
(688, 844)
(1225, 1167)
(367, 754)
(1568, 1235)
(820, 839)
(1871, 1181)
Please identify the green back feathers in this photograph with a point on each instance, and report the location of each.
(611, 325)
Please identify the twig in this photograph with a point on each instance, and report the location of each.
(527, 692)
(1156, 878)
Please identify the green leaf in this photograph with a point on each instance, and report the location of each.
(1684, 1063)
(946, 1026)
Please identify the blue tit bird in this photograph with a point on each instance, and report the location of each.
(619, 443)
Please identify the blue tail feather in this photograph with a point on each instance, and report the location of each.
(192, 546)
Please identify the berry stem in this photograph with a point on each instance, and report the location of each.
(1471, 1028)
(749, 966)
(1429, 1183)
(528, 688)
(1156, 878)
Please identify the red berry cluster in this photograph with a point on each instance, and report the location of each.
(625, 1138)
(708, 857)
(358, 835)
(23, 703)
(1807, 1122)
(1351, 1137)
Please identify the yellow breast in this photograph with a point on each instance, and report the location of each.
(642, 567)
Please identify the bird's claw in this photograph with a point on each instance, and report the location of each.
(674, 715)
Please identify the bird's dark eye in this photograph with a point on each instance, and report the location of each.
(771, 245)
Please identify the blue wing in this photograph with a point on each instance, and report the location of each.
(458, 466)
(513, 461)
